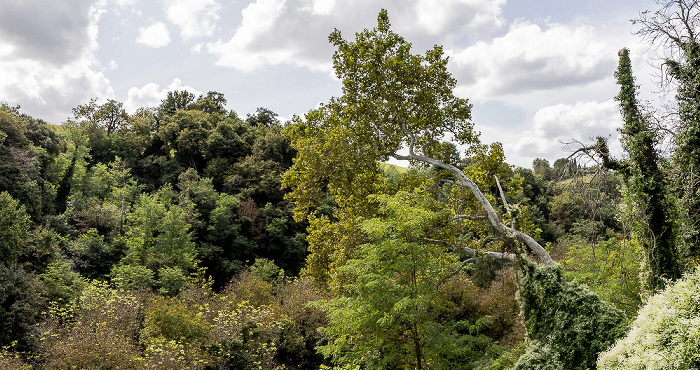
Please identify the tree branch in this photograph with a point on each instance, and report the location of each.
(505, 203)
(491, 214)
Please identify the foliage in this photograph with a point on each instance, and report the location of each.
(266, 270)
(567, 324)
(170, 281)
(99, 328)
(609, 267)
(14, 225)
(654, 229)
(20, 306)
(391, 99)
(385, 317)
(674, 27)
(62, 284)
(158, 234)
(131, 277)
(665, 333)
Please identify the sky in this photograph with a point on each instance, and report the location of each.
(539, 73)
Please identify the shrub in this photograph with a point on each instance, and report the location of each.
(666, 333)
(99, 328)
(170, 281)
(174, 334)
(131, 277)
(567, 324)
(62, 283)
(20, 304)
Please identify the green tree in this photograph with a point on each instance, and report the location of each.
(62, 284)
(388, 315)
(184, 135)
(392, 99)
(674, 26)
(542, 168)
(158, 235)
(14, 226)
(109, 116)
(20, 305)
(651, 207)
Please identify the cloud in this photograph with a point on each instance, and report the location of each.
(563, 123)
(150, 95)
(295, 32)
(47, 57)
(49, 31)
(530, 58)
(155, 35)
(196, 18)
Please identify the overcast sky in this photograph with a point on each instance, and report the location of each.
(539, 72)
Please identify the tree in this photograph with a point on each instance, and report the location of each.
(389, 316)
(109, 116)
(651, 208)
(14, 226)
(647, 185)
(393, 100)
(674, 27)
(542, 168)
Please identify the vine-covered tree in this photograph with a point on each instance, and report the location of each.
(650, 206)
(674, 27)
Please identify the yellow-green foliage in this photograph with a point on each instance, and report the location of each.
(610, 268)
(665, 335)
(172, 319)
(12, 361)
(98, 329)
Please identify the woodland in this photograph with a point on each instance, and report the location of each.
(184, 236)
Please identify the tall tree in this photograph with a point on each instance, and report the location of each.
(392, 99)
(651, 206)
(675, 28)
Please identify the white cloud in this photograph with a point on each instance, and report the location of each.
(155, 35)
(529, 58)
(295, 32)
(564, 123)
(47, 85)
(150, 95)
(196, 18)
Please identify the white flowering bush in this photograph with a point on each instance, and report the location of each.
(666, 333)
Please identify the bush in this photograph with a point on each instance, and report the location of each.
(62, 283)
(170, 281)
(174, 334)
(666, 333)
(567, 324)
(609, 267)
(99, 328)
(131, 277)
(20, 305)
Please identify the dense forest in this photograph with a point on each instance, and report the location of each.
(184, 236)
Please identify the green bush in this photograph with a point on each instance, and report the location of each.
(97, 331)
(666, 333)
(170, 281)
(567, 324)
(62, 283)
(130, 277)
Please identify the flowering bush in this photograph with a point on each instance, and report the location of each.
(665, 335)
